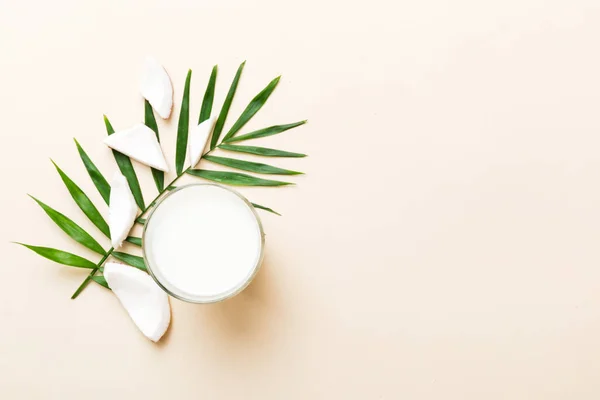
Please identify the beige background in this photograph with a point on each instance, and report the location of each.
(443, 244)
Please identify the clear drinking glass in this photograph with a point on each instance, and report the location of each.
(181, 295)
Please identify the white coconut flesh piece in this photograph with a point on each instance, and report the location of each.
(122, 210)
(156, 87)
(198, 138)
(139, 143)
(145, 302)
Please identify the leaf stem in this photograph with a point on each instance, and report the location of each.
(92, 273)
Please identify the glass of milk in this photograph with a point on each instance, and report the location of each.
(203, 243)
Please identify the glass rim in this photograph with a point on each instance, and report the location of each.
(187, 297)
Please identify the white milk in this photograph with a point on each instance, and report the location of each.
(203, 243)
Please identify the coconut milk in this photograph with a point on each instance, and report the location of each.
(203, 243)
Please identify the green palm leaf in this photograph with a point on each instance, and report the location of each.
(96, 176)
(150, 121)
(209, 96)
(127, 170)
(61, 257)
(225, 109)
(250, 166)
(270, 131)
(265, 208)
(100, 280)
(84, 202)
(260, 151)
(134, 261)
(134, 240)
(71, 228)
(234, 178)
(256, 104)
(183, 126)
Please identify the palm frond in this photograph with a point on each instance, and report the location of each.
(150, 121)
(260, 151)
(250, 166)
(132, 260)
(183, 126)
(209, 95)
(67, 225)
(225, 109)
(126, 167)
(234, 178)
(95, 174)
(265, 208)
(256, 104)
(270, 131)
(127, 170)
(60, 256)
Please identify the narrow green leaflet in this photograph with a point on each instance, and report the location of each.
(265, 208)
(256, 104)
(100, 280)
(96, 176)
(71, 228)
(169, 188)
(235, 178)
(84, 202)
(260, 151)
(61, 257)
(150, 121)
(270, 131)
(134, 240)
(140, 221)
(183, 126)
(127, 170)
(209, 96)
(134, 261)
(250, 166)
(225, 109)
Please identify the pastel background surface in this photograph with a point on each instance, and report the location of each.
(443, 244)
